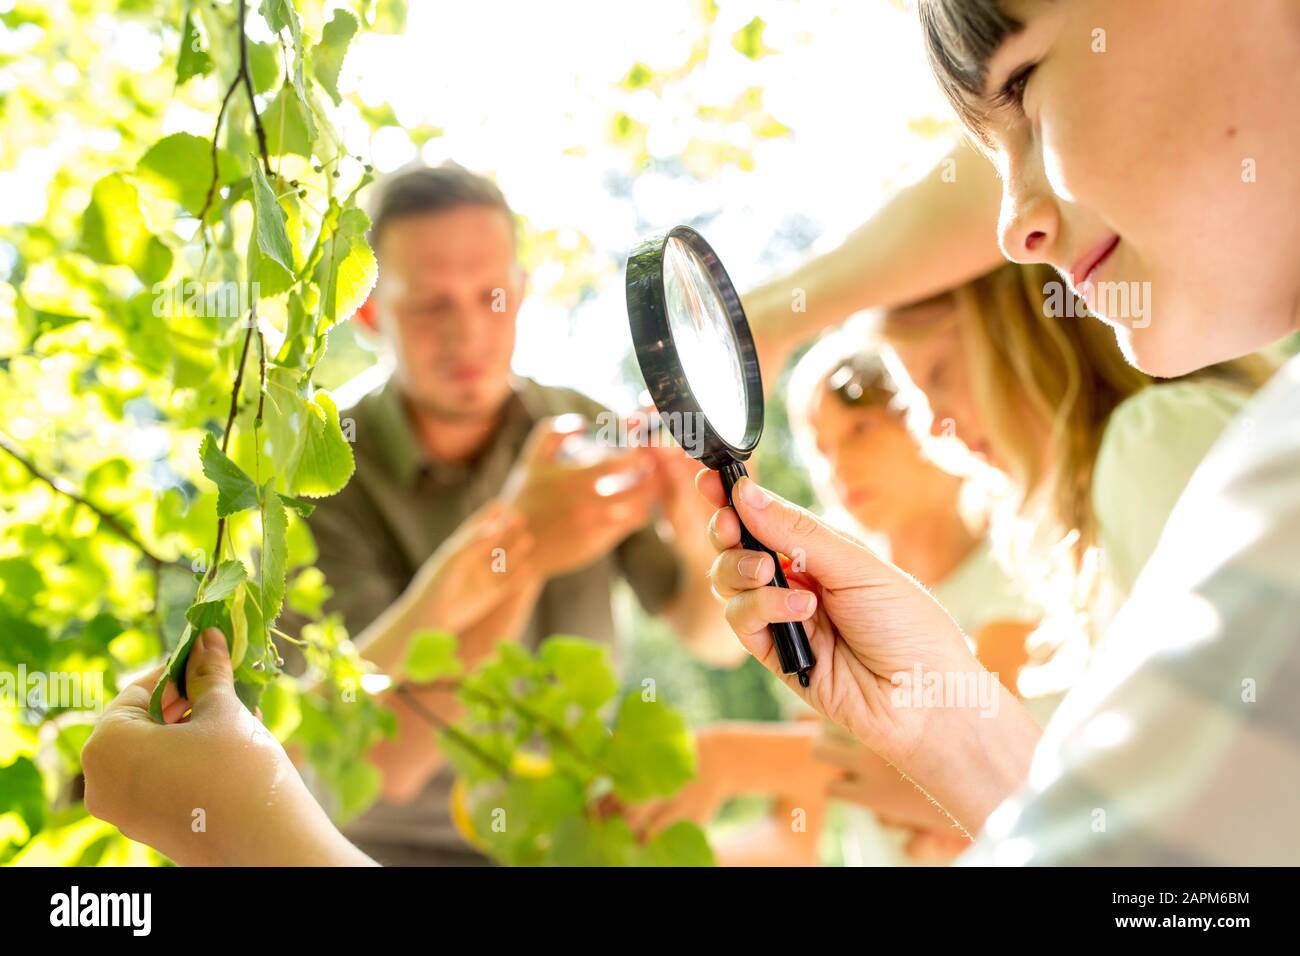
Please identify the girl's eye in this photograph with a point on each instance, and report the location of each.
(1012, 93)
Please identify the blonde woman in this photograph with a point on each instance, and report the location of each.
(1160, 735)
(1096, 452)
(872, 478)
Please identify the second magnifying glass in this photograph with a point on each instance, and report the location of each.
(700, 365)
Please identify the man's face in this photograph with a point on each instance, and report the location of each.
(449, 290)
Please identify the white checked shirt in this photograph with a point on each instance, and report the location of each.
(1182, 743)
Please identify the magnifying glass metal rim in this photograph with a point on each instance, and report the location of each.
(665, 377)
(656, 348)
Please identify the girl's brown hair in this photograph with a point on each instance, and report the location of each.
(960, 37)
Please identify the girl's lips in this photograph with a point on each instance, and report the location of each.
(1086, 266)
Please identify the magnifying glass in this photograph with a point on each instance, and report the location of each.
(700, 365)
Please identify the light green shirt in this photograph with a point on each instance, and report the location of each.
(1153, 443)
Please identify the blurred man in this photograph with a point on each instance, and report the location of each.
(474, 508)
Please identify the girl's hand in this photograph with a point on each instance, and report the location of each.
(212, 786)
(873, 629)
(866, 620)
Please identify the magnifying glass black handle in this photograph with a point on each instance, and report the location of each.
(791, 640)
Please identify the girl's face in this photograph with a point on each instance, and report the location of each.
(936, 364)
(1148, 152)
(878, 470)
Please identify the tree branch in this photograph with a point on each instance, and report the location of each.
(246, 75)
(548, 727)
(66, 488)
(216, 135)
(461, 739)
(230, 424)
(243, 76)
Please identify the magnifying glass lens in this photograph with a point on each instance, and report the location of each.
(705, 341)
(701, 367)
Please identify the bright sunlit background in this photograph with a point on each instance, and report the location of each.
(774, 126)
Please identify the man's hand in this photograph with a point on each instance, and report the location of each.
(212, 763)
(578, 512)
(478, 567)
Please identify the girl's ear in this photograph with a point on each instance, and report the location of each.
(368, 313)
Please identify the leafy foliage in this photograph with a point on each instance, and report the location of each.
(129, 318)
(543, 776)
(161, 327)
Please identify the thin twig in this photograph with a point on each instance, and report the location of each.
(216, 135)
(65, 488)
(247, 77)
(230, 425)
(547, 725)
(461, 739)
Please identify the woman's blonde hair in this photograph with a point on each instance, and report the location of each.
(1032, 350)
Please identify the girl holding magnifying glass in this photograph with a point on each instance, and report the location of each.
(1164, 735)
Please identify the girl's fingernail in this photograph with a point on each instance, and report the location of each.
(801, 602)
(753, 495)
(754, 567)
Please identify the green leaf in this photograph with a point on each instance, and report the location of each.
(280, 14)
(582, 668)
(286, 417)
(238, 627)
(579, 841)
(175, 671)
(682, 844)
(749, 39)
(223, 583)
(113, 231)
(179, 168)
(235, 490)
(327, 57)
(357, 788)
(208, 610)
(347, 270)
(249, 693)
(376, 116)
(23, 793)
(271, 277)
(281, 712)
(299, 336)
(288, 124)
(300, 505)
(389, 16)
(274, 557)
(431, 655)
(326, 462)
(264, 65)
(193, 59)
(651, 752)
(268, 221)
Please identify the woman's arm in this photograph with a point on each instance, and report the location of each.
(933, 235)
